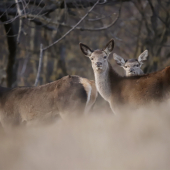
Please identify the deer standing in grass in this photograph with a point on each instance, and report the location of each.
(132, 67)
(121, 91)
(69, 97)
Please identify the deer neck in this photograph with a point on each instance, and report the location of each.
(104, 81)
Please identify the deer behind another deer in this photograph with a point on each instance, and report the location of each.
(121, 91)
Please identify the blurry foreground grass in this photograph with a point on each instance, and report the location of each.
(139, 141)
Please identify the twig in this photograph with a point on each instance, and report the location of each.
(20, 20)
(72, 27)
(24, 65)
(6, 10)
(138, 37)
(104, 1)
(154, 13)
(103, 17)
(10, 20)
(40, 65)
(47, 21)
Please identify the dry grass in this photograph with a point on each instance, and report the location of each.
(138, 141)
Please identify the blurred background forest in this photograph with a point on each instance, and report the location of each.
(135, 25)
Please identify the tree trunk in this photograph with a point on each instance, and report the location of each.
(12, 66)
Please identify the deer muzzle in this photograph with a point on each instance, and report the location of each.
(98, 64)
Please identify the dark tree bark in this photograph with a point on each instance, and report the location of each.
(61, 51)
(62, 63)
(12, 48)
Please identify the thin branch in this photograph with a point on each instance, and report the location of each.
(138, 37)
(42, 25)
(20, 20)
(154, 13)
(72, 27)
(46, 21)
(104, 1)
(24, 65)
(103, 17)
(49, 21)
(6, 10)
(24, 4)
(43, 49)
(9, 21)
(40, 65)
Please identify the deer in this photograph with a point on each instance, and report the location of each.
(132, 67)
(126, 92)
(68, 97)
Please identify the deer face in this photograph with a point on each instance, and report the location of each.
(99, 58)
(132, 67)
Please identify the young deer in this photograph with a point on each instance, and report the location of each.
(132, 67)
(66, 98)
(126, 91)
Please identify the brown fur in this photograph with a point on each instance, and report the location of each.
(93, 92)
(139, 90)
(65, 98)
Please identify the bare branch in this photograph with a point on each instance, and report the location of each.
(73, 26)
(104, 1)
(20, 20)
(40, 65)
(100, 18)
(9, 20)
(154, 12)
(24, 65)
(39, 9)
(59, 4)
(46, 21)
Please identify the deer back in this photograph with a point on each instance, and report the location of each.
(139, 90)
(66, 98)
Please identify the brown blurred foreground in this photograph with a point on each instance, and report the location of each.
(138, 141)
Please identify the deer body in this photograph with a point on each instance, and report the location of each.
(139, 90)
(131, 91)
(66, 98)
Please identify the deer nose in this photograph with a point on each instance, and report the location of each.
(131, 70)
(98, 64)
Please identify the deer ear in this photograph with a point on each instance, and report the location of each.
(143, 57)
(119, 60)
(85, 50)
(109, 47)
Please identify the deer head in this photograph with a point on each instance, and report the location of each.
(99, 58)
(132, 67)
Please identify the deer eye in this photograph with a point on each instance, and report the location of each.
(105, 57)
(91, 58)
(125, 66)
